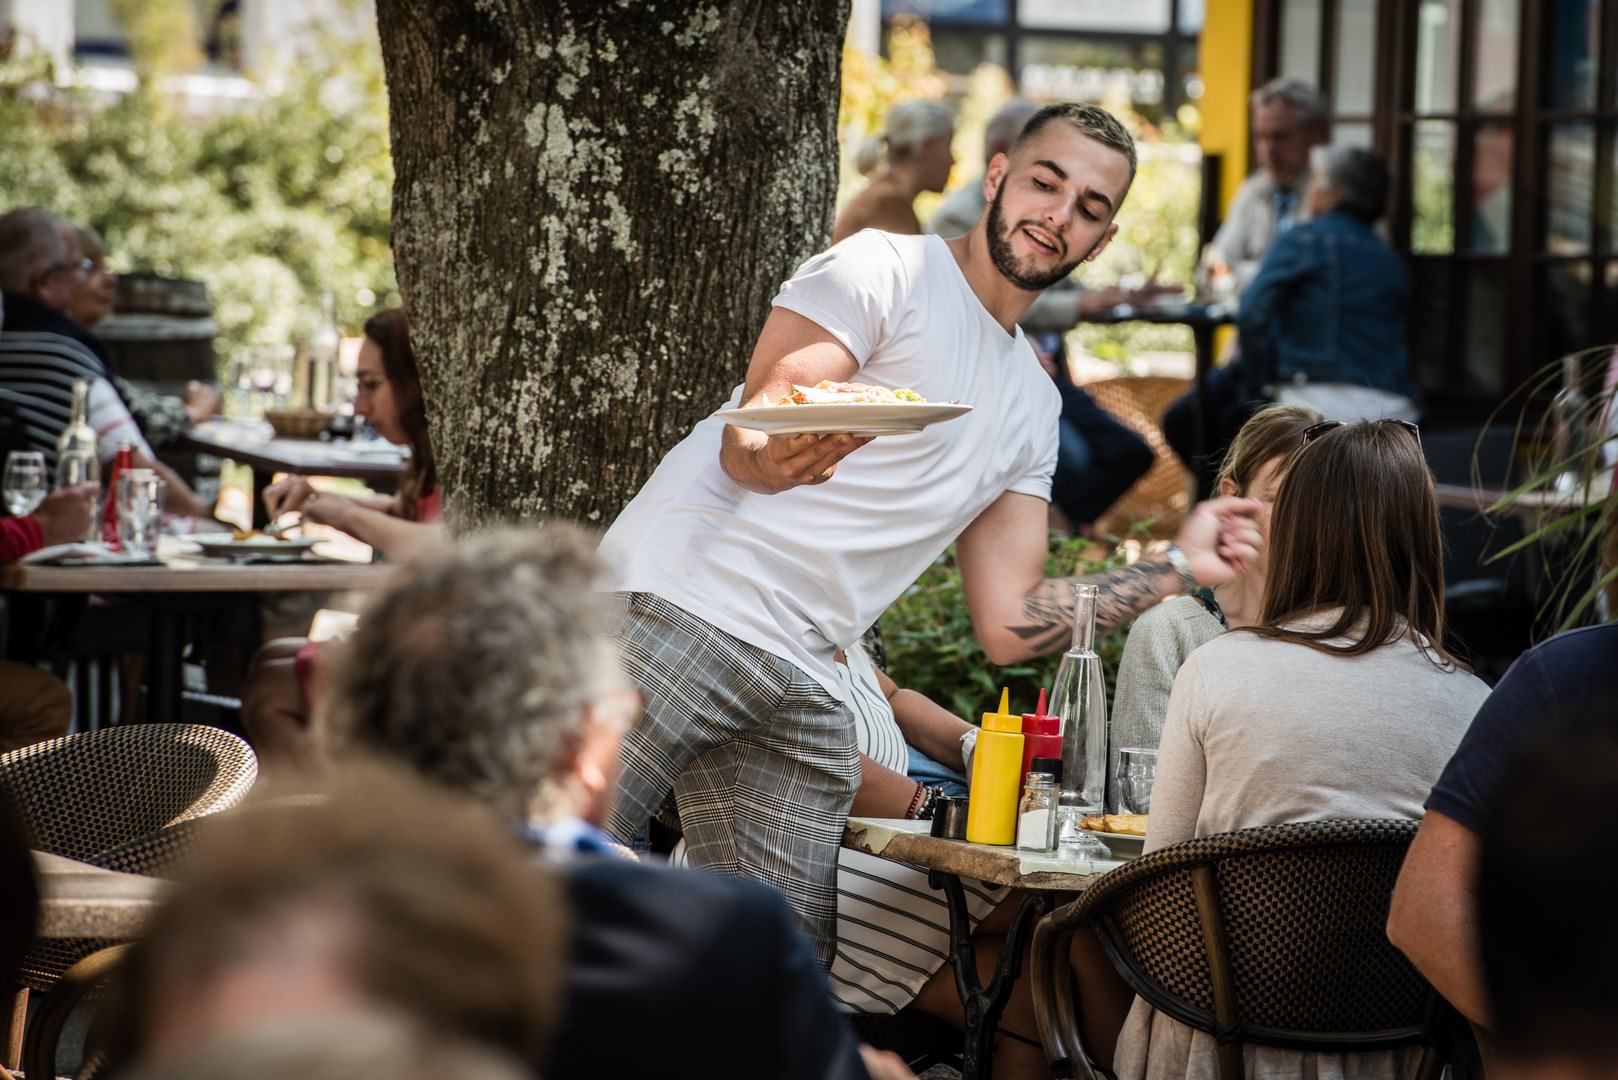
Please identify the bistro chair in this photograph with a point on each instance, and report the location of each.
(1163, 494)
(122, 798)
(1273, 936)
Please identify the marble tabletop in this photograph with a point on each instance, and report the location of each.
(907, 841)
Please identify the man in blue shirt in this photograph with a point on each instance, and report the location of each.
(1433, 920)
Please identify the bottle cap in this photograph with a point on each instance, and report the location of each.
(1038, 723)
(1050, 765)
(1004, 720)
(1039, 778)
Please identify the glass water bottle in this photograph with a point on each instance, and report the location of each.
(1079, 697)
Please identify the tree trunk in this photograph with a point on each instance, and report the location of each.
(594, 202)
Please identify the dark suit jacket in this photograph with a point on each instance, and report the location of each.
(686, 973)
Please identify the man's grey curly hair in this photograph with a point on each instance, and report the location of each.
(475, 666)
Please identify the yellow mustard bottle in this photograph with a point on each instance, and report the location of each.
(991, 812)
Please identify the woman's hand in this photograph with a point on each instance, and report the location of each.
(287, 494)
(328, 509)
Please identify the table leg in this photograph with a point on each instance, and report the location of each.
(164, 679)
(984, 1004)
(1202, 334)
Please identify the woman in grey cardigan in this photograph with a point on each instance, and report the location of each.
(1162, 638)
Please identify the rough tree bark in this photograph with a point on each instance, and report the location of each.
(594, 202)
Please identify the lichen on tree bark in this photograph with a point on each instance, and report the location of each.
(594, 202)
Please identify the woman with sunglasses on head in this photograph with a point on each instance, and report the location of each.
(1340, 701)
(1161, 639)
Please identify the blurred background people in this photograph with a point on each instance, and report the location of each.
(912, 155)
(95, 298)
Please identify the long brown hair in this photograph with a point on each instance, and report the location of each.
(1355, 527)
(390, 329)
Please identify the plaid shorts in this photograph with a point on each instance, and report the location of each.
(761, 759)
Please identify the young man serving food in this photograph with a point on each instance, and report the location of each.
(748, 560)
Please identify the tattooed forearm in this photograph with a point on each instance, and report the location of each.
(1121, 595)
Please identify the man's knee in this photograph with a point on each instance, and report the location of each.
(36, 706)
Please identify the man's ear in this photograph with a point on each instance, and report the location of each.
(1095, 252)
(992, 177)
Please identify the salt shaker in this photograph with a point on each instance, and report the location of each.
(1036, 815)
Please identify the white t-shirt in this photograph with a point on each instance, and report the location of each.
(804, 572)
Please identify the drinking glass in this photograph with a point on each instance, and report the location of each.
(75, 467)
(1137, 772)
(25, 483)
(140, 503)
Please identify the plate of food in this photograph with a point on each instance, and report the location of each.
(1120, 832)
(242, 542)
(839, 408)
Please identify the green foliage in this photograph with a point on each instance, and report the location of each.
(269, 204)
(933, 649)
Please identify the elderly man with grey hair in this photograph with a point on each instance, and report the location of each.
(1323, 325)
(1289, 120)
(490, 669)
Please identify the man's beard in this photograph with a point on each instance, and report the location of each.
(1015, 270)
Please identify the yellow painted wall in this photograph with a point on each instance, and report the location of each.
(1225, 57)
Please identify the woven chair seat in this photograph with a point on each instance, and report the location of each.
(1163, 495)
(123, 798)
(1290, 926)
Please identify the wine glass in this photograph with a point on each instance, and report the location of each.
(25, 484)
(1137, 773)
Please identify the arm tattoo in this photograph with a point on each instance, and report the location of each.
(1121, 595)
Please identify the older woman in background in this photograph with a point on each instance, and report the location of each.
(911, 155)
(1341, 701)
(1161, 639)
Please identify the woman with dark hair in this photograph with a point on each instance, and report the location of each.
(389, 397)
(285, 675)
(1341, 701)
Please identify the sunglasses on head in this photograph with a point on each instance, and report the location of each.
(1315, 431)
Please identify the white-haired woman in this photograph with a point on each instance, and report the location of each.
(911, 155)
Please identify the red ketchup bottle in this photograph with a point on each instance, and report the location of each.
(109, 509)
(1041, 735)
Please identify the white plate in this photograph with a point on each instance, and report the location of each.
(292, 545)
(852, 419)
(1120, 842)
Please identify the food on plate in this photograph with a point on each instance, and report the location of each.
(1125, 824)
(241, 535)
(828, 392)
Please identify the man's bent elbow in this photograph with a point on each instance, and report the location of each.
(1003, 649)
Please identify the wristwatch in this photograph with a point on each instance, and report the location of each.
(1182, 566)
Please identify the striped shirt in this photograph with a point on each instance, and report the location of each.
(37, 372)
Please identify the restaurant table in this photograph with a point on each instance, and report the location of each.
(1527, 504)
(1203, 320)
(265, 453)
(1039, 875)
(180, 586)
(77, 900)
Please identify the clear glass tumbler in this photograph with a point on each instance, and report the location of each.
(140, 505)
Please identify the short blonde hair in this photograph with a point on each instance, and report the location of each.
(1275, 431)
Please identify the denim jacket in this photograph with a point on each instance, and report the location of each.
(1329, 304)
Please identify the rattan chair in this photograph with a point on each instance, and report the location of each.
(121, 798)
(1271, 936)
(1163, 495)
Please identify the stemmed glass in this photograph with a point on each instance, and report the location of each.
(1137, 773)
(25, 483)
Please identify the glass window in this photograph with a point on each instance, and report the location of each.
(1137, 16)
(1571, 65)
(988, 11)
(1486, 326)
(1300, 40)
(1491, 188)
(1079, 69)
(1431, 308)
(1564, 309)
(1569, 170)
(1352, 133)
(1438, 54)
(960, 51)
(1494, 85)
(1191, 16)
(1607, 215)
(1356, 57)
(1432, 195)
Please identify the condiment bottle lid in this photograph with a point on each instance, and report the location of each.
(1038, 723)
(1005, 719)
(1050, 765)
